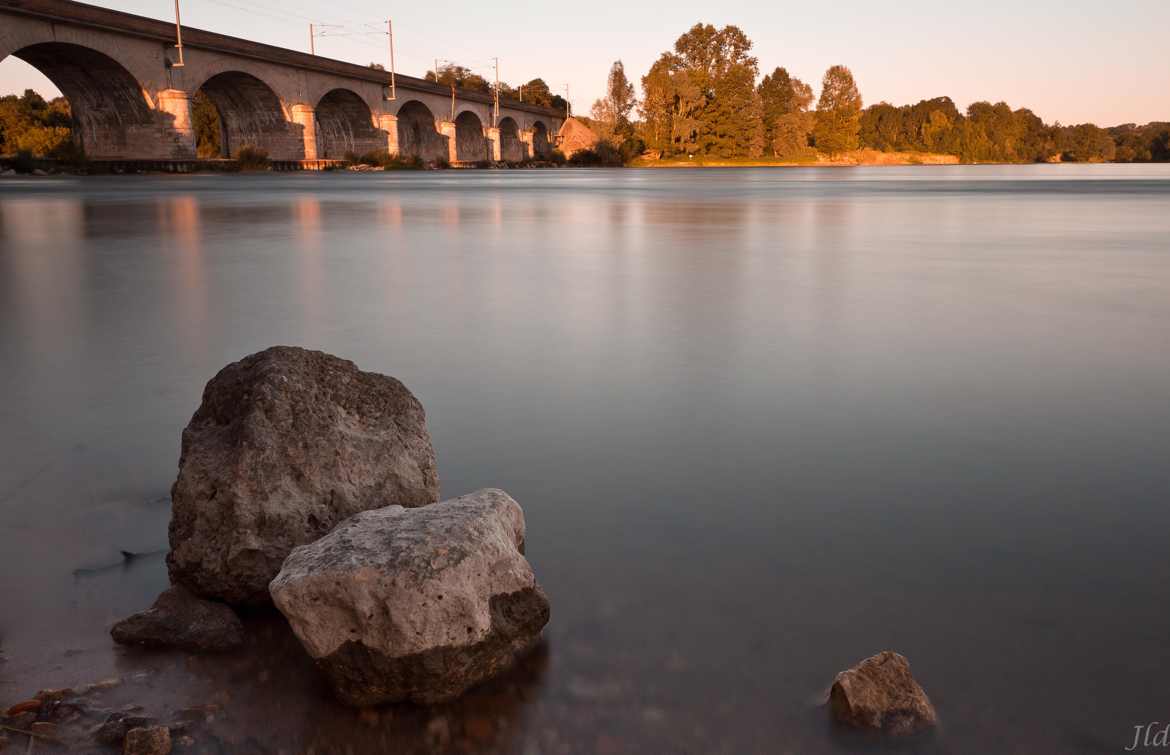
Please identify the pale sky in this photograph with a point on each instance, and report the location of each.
(1070, 61)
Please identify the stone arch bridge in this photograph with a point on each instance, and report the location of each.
(130, 102)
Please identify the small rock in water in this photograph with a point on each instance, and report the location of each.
(45, 730)
(179, 619)
(53, 695)
(21, 721)
(285, 444)
(150, 740)
(114, 730)
(415, 604)
(880, 694)
(28, 706)
(198, 713)
(99, 686)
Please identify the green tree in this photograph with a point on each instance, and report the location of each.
(785, 117)
(611, 118)
(620, 93)
(1032, 140)
(459, 77)
(206, 121)
(1085, 143)
(838, 120)
(732, 122)
(689, 103)
(701, 97)
(658, 105)
(938, 132)
(31, 124)
(880, 127)
(537, 92)
(1148, 143)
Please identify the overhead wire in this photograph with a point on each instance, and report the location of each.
(482, 67)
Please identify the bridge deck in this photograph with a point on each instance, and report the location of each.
(69, 12)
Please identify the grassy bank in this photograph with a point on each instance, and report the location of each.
(848, 159)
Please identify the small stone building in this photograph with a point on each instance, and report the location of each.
(575, 136)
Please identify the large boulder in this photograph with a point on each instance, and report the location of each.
(181, 620)
(415, 604)
(880, 694)
(286, 444)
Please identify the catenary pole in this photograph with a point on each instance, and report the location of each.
(178, 36)
(390, 32)
(496, 104)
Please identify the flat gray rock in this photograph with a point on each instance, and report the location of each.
(181, 620)
(415, 604)
(286, 444)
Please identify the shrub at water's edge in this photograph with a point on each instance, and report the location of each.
(252, 158)
(383, 159)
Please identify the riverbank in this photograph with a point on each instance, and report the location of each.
(48, 167)
(861, 157)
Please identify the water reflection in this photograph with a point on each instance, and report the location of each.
(179, 224)
(390, 212)
(762, 423)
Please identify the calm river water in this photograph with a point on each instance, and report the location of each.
(763, 424)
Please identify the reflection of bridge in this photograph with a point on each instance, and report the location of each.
(130, 102)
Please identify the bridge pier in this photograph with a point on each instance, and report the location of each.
(492, 134)
(526, 144)
(175, 105)
(389, 124)
(305, 117)
(447, 129)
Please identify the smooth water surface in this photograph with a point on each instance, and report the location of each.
(763, 423)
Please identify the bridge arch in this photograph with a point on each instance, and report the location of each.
(252, 115)
(345, 124)
(470, 143)
(541, 147)
(417, 136)
(111, 113)
(511, 148)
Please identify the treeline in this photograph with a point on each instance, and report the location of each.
(535, 91)
(996, 133)
(705, 97)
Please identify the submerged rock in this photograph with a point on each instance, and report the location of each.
(181, 620)
(415, 604)
(113, 730)
(880, 693)
(286, 444)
